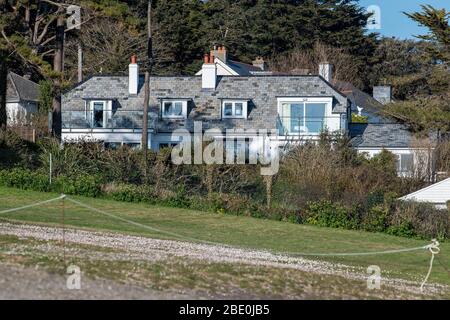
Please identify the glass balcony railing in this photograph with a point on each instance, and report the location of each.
(122, 119)
(307, 125)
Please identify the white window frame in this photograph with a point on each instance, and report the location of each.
(328, 101)
(184, 104)
(107, 112)
(400, 162)
(233, 106)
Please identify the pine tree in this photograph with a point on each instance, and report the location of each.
(429, 110)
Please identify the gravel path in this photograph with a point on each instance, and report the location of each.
(29, 283)
(134, 247)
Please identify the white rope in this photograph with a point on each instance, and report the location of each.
(372, 253)
(434, 249)
(139, 224)
(32, 205)
(426, 247)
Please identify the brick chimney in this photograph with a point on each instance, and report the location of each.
(209, 72)
(133, 76)
(326, 71)
(220, 52)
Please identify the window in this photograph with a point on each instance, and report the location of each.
(234, 109)
(174, 109)
(99, 114)
(297, 117)
(405, 163)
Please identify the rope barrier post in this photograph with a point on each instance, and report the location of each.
(434, 249)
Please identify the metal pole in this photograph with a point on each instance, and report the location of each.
(80, 63)
(50, 169)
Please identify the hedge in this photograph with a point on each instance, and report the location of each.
(396, 218)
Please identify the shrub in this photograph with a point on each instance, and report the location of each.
(419, 219)
(328, 214)
(16, 152)
(131, 193)
(375, 219)
(83, 185)
(25, 179)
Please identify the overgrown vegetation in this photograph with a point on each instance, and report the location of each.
(326, 184)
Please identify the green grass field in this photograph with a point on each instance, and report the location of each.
(233, 230)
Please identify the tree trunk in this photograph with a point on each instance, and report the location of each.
(145, 119)
(3, 84)
(58, 67)
(269, 184)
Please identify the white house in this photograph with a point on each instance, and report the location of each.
(227, 95)
(22, 97)
(437, 194)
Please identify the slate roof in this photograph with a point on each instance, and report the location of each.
(371, 107)
(380, 135)
(241, 68)
(21, 89)
(205, 105)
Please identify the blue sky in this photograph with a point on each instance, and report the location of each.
(394, 22)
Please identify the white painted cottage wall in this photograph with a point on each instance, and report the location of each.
(19, 112)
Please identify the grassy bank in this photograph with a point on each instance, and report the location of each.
(237, 231)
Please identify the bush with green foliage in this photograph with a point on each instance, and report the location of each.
(83, 185)
(419, 219)
(332, 215)
(25, 179)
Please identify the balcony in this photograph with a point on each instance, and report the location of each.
(308, 126)
(130, 120)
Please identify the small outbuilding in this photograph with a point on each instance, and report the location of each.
(437, 194)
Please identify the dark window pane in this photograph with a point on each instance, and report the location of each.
(228, 109)
(98, 115)
(168, 108)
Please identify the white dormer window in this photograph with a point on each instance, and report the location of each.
(174, 109)
(100, 113)
(234, 109)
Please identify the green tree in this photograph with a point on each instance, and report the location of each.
(429, 109)
(177, 35)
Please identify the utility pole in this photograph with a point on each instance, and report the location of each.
(147, 85)
(58, 67)
(3, 84)
(80, 62)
